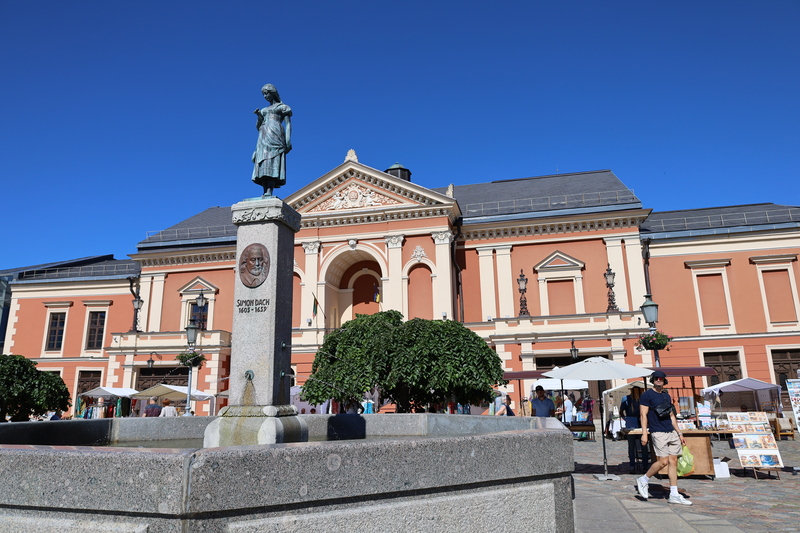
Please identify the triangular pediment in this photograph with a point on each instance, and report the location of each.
(198, 284)
(559, 261)
(354, 189)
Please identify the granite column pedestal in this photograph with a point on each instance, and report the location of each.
(259, 411)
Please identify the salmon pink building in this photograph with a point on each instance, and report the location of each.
(522, 262)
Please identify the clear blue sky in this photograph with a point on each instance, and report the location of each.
(120, 118)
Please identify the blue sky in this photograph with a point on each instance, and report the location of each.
(120, 118)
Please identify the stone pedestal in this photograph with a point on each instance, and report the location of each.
(259, 410)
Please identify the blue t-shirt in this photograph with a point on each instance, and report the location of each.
(542, 407)
(651, 399)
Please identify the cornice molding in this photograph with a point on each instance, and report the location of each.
(188, 259)
(551, 228)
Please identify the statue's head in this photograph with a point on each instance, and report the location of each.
(270, 89)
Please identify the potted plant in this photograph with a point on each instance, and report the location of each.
(653, 341)
(192, 358)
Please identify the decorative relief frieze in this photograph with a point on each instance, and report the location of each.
(269, 212)
(395, 241)
(311, 247)
(354, 196)
(442, 237)
(419, 254)
(553, 228)
(188, 259)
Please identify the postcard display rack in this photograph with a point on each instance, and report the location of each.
(754, 442)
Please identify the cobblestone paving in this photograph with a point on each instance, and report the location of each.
(769, 504)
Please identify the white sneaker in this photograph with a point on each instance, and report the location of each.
(679, 499)
(642, 486)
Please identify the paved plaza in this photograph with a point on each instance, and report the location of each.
(738, 503)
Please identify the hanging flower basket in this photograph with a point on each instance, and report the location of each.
(193, 359)
(653, 341)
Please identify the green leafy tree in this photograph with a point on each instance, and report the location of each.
(352, 359)
(434, 361)
(25, 391)
(414, 364)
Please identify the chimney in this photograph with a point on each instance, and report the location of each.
(399, 171)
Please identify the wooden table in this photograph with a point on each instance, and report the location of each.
(699, 443)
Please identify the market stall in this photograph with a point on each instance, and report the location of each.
(105, 402)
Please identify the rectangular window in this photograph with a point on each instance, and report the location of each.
(778, 289)
(55, 331)
(561, 297)
(726, 364)
(94, 336)
(200, 316)
(712, 300)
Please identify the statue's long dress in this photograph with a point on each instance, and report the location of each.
(270, 156)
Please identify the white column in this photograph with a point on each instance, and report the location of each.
(633, 256)
(156, 301)
(486, 267)
(580, 304)
(505, 281)
(393, 280)
(617, 264)
(443, 276)
(544, 303)
(311, 271)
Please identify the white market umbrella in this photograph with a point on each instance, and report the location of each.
(561, 384)
(119, 392)
(173, 392)
(599, 369)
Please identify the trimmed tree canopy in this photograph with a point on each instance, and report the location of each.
(414, 364)
(26, 391)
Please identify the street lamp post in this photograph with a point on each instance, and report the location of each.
(650, 311)
(191, 340)
(522, 281)
(612, 301)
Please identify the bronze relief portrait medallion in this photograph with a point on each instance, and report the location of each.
(254, 265)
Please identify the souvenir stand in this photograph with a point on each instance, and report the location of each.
(93, 404)
(176, 393)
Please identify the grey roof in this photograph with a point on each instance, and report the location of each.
(96, 267)
(591, 191)
(716, 220)
(208, 227)
(57, 264)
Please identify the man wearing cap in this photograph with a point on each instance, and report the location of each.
(541, 405)
(658, 415)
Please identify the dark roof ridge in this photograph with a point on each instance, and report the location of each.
(552, 175)
(721, 207)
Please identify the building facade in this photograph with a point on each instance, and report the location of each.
(520, 262)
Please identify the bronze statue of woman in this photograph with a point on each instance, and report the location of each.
(274, 142)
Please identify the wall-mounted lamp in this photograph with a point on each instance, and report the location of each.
(308, 322)
(522, 281)
(488, 319)
(573, 352)
(150, 361)
(612, 301)
(137, 303)
(444, 315)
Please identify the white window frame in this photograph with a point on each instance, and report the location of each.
(189, 294)
(771, 263)
(93, 306)
(572, 271)
(706, 268)
(55, 307)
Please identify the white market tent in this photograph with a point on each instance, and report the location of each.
(613, 397)
(173, 392)
(756, 387)
(119, 392)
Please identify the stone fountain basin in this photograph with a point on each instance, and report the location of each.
(440, 473)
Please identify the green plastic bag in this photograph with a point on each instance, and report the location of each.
(685, 462)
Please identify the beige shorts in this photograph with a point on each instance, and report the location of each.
(666, 444)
